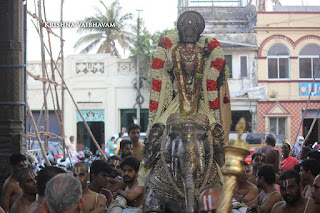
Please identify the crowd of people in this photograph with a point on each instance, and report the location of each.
(85, 189)
(271, 183)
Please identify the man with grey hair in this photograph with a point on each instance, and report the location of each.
(271, 153)
(63, 194)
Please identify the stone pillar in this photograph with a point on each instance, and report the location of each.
(12, 83)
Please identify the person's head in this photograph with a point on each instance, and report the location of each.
(270, 139)
(304, 152)
(315, 154)
(114, 162)
(71, 138)
(121, 135)
(244, 177)
(266, 175)
(126, 148)
(315, 190)
(258, 159)
(45, 175)
(112, 139)
(290, 186)
(27, 181)
(124, 130)
(17, 162)
(100, 170)
(285, 149)
(134, 132)
(80, 171)
(209, 200)
(63, 194)
(309, 169)
(300, 140)
(129, 169)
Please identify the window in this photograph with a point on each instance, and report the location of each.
(244, 66)
(278, 62)
(278, 126)
(228, 59)
(308, 61)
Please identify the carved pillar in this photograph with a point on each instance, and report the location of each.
(12, 83)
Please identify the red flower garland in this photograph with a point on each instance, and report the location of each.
(156, 85)
(157, 63)
(153, 105)
(165, 43)
(213, 44)
(218, 64)
(214, 104)
(211, 85)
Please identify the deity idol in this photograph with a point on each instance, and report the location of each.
(189, 119)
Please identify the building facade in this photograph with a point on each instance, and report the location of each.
(103, 88)
(288, 57)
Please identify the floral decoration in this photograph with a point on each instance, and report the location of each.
(153, 105)
(214, 104)
(157, 63)
(218, 64)
(211, 85)
(213, 44)
(156, 85)
(165, 43)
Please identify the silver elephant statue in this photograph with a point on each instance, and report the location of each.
(184, 156)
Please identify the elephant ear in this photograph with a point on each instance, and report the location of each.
(153, 144)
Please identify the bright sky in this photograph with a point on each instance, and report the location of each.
(157, 15)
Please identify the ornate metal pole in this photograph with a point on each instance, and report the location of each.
(235, 152)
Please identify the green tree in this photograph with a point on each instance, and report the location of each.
(146, 46)
(106, 37)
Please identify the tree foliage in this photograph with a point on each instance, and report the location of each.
(106, 37)
(146, 46)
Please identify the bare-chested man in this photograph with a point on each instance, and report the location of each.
(93, 202)
(290, 191)
(43, 177)
(258, 160)
(133, 193)
(100, 174)
(28, 184)
(126, 148)
(271, 153)
(309, 169)
(245, 191)
(269, 195)
(11, 190)
(134, 134)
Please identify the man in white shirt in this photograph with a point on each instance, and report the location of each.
(71, 146)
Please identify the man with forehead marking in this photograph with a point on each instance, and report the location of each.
(28, 184)
(45, 174)
(94, 202)
(114, 162)
(290, 191)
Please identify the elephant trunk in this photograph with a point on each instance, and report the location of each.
(188, 165)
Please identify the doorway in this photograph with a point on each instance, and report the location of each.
(83, 136)
(314, 136)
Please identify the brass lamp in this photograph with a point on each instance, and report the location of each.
(235, 152)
